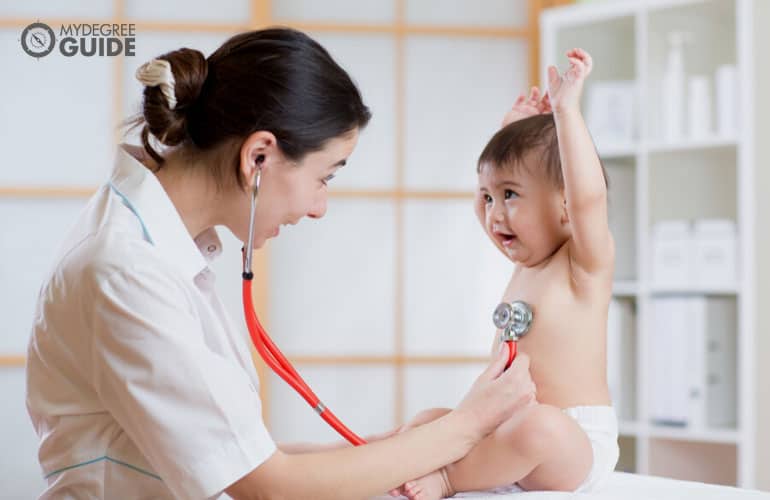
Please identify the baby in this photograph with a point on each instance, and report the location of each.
(542, 199)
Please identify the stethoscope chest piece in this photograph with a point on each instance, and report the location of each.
(514, 319)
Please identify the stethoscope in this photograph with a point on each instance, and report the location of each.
(513, 318)
(269, 351)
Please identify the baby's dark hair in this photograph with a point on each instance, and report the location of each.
(508, 147)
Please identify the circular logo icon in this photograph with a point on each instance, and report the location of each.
(38, 40)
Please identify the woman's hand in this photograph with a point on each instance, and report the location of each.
(526, 106)
(496, 395)
(565, 90)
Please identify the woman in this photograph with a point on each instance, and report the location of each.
(139, 385)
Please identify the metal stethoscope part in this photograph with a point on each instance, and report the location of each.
(515, 320)
(268, 350)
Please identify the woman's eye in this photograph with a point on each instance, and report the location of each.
(510, 194)
(487, 198)
(328, 178)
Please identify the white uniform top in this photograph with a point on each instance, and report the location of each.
(138, 383)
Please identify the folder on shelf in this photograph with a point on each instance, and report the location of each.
(668, 354)
(692, 362)
(721, 376)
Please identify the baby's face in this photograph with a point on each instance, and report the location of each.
(523, 214)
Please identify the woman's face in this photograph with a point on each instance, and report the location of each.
(289, 191)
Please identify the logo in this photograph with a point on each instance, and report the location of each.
(38, 40)
(84, 40)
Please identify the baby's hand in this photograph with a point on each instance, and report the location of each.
(524, 106)
(565, 90)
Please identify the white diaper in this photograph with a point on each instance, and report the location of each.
(600, 423)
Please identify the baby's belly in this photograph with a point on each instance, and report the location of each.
(569, 375)
(576, 389)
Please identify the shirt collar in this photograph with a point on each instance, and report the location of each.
(161, 221)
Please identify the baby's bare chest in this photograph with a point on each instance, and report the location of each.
(562, 317)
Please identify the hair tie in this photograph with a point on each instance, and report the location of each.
(157, 73)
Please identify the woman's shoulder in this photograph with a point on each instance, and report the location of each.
(100, 246)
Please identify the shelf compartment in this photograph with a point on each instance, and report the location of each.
(691, 185)
(705, 462)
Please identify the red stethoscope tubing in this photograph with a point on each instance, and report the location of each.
(281, 366)
(511, 353)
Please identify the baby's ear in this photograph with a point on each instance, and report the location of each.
(564, 214)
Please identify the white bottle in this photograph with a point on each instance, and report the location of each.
(672, 88)
(699, 107)
(727, 100)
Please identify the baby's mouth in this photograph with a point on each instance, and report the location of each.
(505, 238)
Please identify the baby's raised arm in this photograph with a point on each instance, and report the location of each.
(585, 188)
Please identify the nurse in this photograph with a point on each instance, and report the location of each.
(139, 384)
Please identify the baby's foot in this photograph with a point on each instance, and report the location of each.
(431, 487)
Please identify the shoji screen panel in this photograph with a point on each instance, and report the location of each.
(371, 60)
(453, 279)
(232, 12)
(437, 385)
(487, 14)
(456, 89)
(32, 10)
(51, 130)
(332, 282)
(334, 12)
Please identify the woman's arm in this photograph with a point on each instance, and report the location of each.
(295, 448)
(375, 468)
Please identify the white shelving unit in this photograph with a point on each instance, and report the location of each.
(675, 180)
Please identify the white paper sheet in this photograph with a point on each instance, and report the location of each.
(630, 487)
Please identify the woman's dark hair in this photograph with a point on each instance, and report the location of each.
(508, 147)
(279, 80)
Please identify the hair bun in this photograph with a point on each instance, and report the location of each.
(165, 108)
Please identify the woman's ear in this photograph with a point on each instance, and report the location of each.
(258, 152)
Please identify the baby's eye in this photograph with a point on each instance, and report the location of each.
(328, 178)
(509, 194)
(487, 198)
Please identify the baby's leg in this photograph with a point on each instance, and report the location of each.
(540, 449)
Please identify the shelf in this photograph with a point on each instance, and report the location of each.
(695, 290)
(617, 151)
(726, 436)
(636, 429)
(625, 288)
(692, 145)
(629, 428)
(711, 176)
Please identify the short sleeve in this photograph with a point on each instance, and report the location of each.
(192, 412)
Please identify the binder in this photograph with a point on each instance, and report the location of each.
(693, 374)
